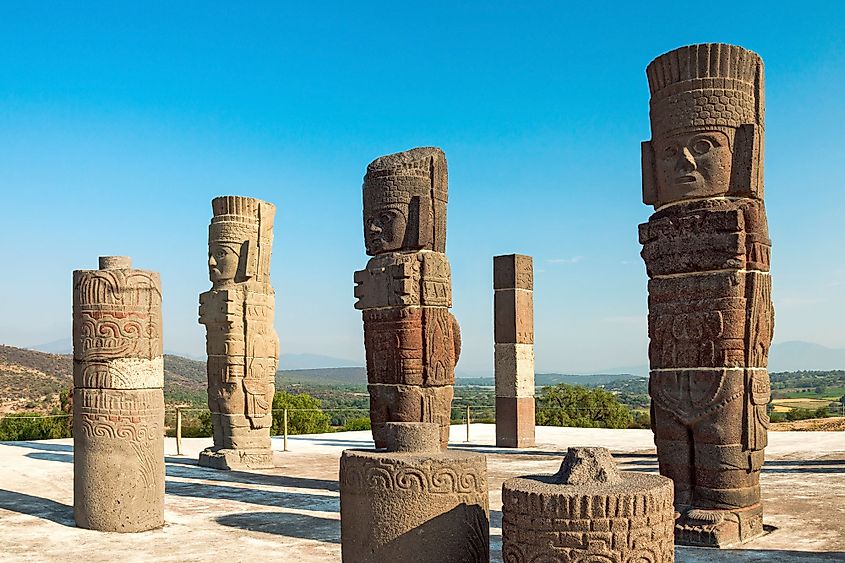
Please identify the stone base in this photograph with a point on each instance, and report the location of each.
(515, 422)
(719, 528)
(236, 459)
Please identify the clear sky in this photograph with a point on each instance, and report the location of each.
(119, 123)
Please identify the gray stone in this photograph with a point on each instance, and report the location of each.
(711, 320)
(588, 511)
(118, 405)
(413, 503)
(241, 341)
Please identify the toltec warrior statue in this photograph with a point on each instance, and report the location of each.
(706, 250)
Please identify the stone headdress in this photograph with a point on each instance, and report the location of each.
(712, 86)
(416, 181)
(246, 222)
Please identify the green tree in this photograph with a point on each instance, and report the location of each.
(360, 423)
(32, 426)
(305, 414)
(574, 405)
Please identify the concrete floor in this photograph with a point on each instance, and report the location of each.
(291, 513)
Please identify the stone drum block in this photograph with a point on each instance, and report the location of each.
(588, 511)
(118, 406)
(413, 503)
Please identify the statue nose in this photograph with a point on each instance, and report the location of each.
(686, 162)
(211, 261)
(374, 228)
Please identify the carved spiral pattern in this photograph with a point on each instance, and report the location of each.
(384, 475)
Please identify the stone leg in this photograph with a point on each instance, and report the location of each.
(675, 453)
(409, 403)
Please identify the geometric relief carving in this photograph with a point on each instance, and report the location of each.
(414, 502)
(118, 407)
(405, 292)
(241, 340)
(707, 253)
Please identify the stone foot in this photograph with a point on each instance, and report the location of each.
(718, 528)
(236, 459)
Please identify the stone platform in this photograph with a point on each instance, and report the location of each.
(291, 513)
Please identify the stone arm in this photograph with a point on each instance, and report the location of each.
(456, 335)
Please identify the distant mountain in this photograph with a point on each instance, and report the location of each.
(289, 362)
(63, 346)
(796, 355)
(326, 376)
(543, 379)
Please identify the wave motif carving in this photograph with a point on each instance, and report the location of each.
(397, 477)
(103, 426)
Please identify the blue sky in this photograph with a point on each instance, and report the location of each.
(119, 123)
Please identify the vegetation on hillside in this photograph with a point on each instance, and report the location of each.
(573, 405)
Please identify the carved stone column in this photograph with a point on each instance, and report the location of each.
(241, 341)
(513, 312)
(414, 502)
(118, 403)
(706, 249)
(588, 511)
(412, 340)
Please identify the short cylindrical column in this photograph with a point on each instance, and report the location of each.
(413, 502)
(118, 407)
(588, 511)
(513, 312)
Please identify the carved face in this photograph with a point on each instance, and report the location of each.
(384, 229)
(223, 262)
(696, 164)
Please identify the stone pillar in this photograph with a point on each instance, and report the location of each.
(414, 502)
(588, 511)
(118, 398)
(241, 341)
(412, 341)
(706, 250)
(513, 312)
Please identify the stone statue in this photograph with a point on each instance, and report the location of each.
(588, 511)
(706, 249)
(118, 398)
(241, 342)
(414, 502)
(412, 340)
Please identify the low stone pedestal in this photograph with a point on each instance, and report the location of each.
(588, 511)
(414, 502)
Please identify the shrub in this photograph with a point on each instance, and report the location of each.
(312, 420)
(573, 405)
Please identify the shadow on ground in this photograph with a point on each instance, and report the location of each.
(685, 554)
(37, 506)
(285, 524)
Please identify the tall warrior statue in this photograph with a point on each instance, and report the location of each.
(706, 249)
(241, 342)
(412, 340)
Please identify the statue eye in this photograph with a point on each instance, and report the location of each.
(670, 151)
(385, 218)
(701, 146)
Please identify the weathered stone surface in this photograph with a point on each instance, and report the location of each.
(401, 279)
(411, 345)
(513, 319)
(241, 341)
(513, 271)
(409, 403)
(411, 338)
(588, 511)
(406, 505)
(405, 196)
(707, 254)
(515, 418)
(118, 407)
(514, 370)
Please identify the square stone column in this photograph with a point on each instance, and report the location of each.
(513, 304)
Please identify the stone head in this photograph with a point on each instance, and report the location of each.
(240, 239)
(707, 125)
(405, 196)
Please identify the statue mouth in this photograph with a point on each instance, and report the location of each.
(687, 179)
